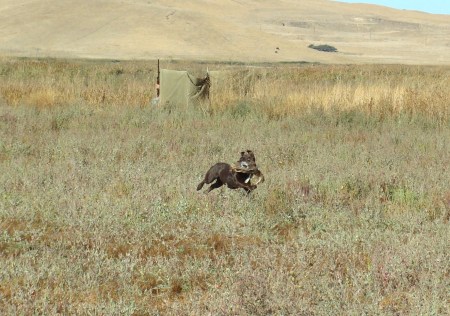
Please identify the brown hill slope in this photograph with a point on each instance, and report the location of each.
(222, 30)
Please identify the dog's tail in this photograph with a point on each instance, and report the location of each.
(200, 185)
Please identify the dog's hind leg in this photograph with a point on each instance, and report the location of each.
(207, 180)
(213, 175)
(215, 185)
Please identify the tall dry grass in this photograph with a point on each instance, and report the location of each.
(99, 213)
(378, 91)
(387, 91)
(47, 83)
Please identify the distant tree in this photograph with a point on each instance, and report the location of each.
(324, 48)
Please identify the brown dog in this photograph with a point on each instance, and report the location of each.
(234, 177)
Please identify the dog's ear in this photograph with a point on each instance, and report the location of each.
(251, 154)
(242, 153)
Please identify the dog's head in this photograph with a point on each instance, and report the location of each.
(247, 160)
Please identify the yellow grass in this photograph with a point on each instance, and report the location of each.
(379, 91)
(99, 212)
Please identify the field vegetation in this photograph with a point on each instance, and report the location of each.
(99, 212)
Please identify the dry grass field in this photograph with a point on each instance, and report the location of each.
(99, 213)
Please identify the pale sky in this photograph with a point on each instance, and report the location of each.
(431, 6)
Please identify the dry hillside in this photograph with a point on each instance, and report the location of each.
(252, 30)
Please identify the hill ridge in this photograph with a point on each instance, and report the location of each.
(229, 30)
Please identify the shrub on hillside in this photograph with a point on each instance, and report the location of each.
(324, 48)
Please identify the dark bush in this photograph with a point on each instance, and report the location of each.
(324, 48)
